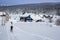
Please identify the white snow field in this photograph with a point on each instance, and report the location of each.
(29, 31)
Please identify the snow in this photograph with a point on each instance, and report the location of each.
(25, 15)
(29, 31)
(35, 17)
(1, 13)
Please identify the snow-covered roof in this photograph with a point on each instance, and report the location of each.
(1, 13)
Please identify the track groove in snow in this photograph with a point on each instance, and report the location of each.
(40, 36)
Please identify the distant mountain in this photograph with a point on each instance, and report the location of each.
(37, 6)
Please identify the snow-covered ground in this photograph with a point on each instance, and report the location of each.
(29, 31)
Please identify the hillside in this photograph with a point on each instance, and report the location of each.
(38, 7)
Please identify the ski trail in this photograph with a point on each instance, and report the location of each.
(44, 38)
(10, 34)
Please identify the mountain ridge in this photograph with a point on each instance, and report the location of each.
(36, 6)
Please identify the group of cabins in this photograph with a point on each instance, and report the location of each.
(26, 18)
(30, 19)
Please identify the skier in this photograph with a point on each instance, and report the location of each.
(11, 28)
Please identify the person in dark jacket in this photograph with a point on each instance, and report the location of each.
(11, 28)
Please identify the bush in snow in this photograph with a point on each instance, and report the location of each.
(57, 22)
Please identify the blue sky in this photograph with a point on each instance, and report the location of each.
(15, 2)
